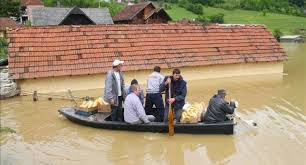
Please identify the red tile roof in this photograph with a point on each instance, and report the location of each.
(31, 2)
(130, 11)
(77, 50)
(7, 22)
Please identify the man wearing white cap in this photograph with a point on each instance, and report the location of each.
(114, 90)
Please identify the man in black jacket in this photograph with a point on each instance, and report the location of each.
(178, 93)
(218, 108)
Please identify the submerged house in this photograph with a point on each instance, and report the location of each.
(6, 22)
(292, 38)
(142, 13)
(56, 58)
(43, 16)
(25, 4)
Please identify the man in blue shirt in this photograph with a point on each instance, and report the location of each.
(178, 93)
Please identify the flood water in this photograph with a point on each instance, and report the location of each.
(276, 102)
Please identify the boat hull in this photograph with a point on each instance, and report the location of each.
(101, 120)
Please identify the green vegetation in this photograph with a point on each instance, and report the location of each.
(9, 8)
(286, 23)
(3, 48)
(7, 129)
(277, 34)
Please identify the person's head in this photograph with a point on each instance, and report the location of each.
(222, 93)
(135, 89)
(134, 81)
(117, 64)
(176, 73)
(157, 69)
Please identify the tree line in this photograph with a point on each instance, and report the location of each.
(289, 7)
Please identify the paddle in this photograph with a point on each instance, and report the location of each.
(249, 122)
(170, 115)
(70, 94)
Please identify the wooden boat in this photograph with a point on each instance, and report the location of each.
(103, 120)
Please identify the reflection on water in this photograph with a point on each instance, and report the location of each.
(276, 102)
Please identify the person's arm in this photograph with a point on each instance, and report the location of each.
(141, 97)
(124, 94)
(182, 96)
(140, 111)
(163, 85)
(227, 108)
(108, 87)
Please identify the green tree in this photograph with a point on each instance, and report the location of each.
(277, 34)
(217, 18)
(299, 3)
(3, 48)
(9, 8)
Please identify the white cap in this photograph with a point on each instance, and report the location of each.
(117, 62)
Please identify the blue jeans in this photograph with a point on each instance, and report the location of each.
(157, 100)
(117, 111)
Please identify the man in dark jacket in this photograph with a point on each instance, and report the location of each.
(218, 108)
(178, 93)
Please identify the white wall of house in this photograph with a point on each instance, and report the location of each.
(85, 82)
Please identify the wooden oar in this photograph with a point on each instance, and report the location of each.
(170, 115)
(249, 122)
(72, 97)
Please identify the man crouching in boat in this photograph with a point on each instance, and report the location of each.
(219, 108)
(134, 112)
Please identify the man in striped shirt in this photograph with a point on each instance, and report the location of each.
(134, 112)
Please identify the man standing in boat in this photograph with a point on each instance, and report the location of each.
(153, 96)
(218, 108)
(114, 90)
(178, 93)
(134, 112)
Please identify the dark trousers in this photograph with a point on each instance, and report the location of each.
(117, 111)
(157, 100)
(177, 114)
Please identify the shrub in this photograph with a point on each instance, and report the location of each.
(183, 3)
(3, 48)
(167, 6)
(197, 8)
(264, 12)
(217, 18)
(277, 34)
(202, 19)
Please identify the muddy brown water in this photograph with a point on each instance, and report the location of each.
(276, 102)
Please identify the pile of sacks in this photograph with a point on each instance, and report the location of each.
(99, 104)
(192, 112)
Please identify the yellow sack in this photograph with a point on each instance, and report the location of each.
(192, 113)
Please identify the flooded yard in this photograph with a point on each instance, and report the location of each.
(277, 102)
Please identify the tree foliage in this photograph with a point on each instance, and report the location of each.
(3, 48)
(9, 8)
(277, 34)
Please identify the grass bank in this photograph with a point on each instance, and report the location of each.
(286, 23)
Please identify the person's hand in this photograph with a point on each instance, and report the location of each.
(171, 100)
(112, 101)
(168, 81)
